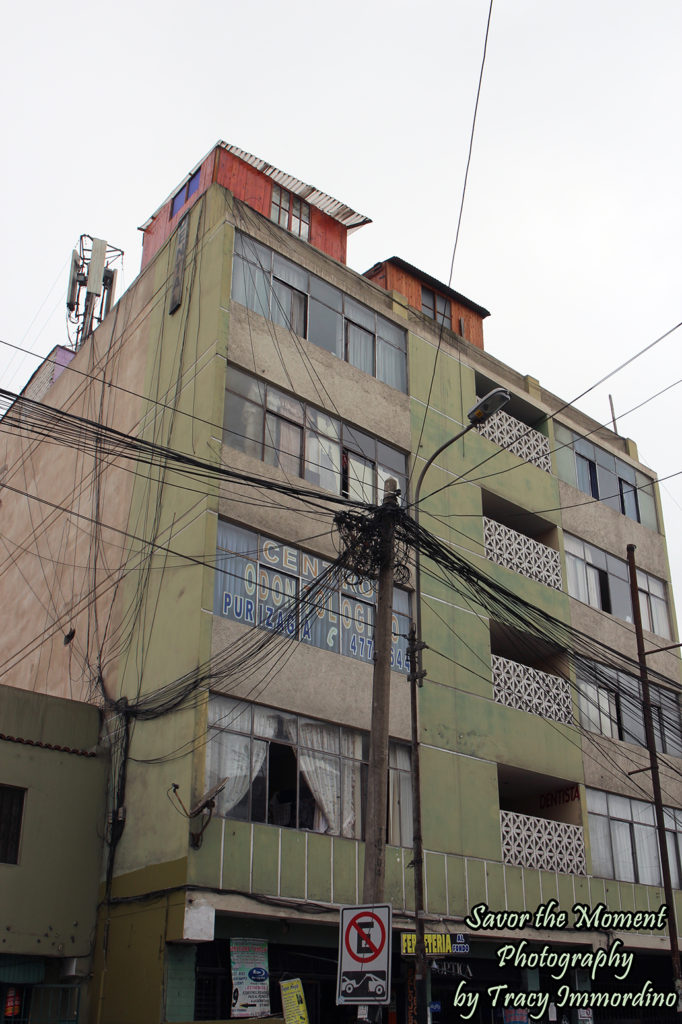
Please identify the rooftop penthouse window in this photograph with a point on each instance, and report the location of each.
(187, 190)
(290, 212)
(437, 307)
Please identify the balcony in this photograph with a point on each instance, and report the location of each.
(522, 554)
(542, 843)
(528, 689)
(517, 437)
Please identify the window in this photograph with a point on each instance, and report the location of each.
(624, 842)
(261, 582)
(290, 212)
(602, 581)
(296, 772)
(187, 190)
(270, 425)
(653, 604)
(11, 813)
(288, 295)
(587, 476)
(605, 477)
(610, 703)
(437, 307)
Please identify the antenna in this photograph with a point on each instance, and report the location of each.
(92, 268)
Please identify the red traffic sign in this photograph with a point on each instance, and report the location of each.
(361, 940)
(364, 974)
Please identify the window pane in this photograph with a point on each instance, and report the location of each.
(621, 602)
(587, 477)
(659, 614)
(391, 333)
(245, 385)
(443, 315)
(357, 629)
(628, 498)
(326, 293)
(600, 844)
(282, 445)
(320, 621)
(428, 302)
(325, 328)
(360, 483)
(323, 462)
(358, 314)
(285, 405)
(351, 799)
(288, 307)
(323, 424)
(178, 201)
(250, 286)
(576, 578)
(360, 348)
(391, 367)
(243, 427)
(623, 860)
(290, 273)
(646, 847)
(193, 183)
(252, 251)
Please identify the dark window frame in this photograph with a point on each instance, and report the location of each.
(12, 804)
(293, 215)
(185, 193)
(348, 439)
(437, 307)
(258, 803)
(258, 271)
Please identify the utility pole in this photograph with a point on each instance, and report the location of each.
(377, 782)
(655, 778)
(415, 678)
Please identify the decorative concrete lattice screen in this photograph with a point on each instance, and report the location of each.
(530, 842)
(521, 554)
(526, 442)
(528, 689)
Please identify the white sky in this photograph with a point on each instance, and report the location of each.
(572, 221)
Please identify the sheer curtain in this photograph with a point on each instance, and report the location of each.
(230, 755)
(399, 797)
(321, 772)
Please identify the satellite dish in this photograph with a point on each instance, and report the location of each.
(208, 798)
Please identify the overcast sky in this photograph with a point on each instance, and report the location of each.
(572, 223)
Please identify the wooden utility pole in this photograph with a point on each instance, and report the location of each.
(377, 782)
(655, 779)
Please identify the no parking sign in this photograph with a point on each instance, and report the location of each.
(364, 955)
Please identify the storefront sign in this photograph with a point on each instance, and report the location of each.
(435, 943)
(293, 1002)
(250, 977)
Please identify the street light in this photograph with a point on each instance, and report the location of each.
(477, 415)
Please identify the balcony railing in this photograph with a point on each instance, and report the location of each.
(528, 689)
(522, 554)
(517, 437)
(530, 842)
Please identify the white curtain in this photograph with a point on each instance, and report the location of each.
(229, 755)
(399, 797)
(351, 790)
(321, 772)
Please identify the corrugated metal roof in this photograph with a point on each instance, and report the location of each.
(327, 204)
(439, 286)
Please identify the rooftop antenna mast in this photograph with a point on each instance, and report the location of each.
(92, 285)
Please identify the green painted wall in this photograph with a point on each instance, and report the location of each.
(49, 896)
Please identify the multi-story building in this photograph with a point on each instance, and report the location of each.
(247, 346)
